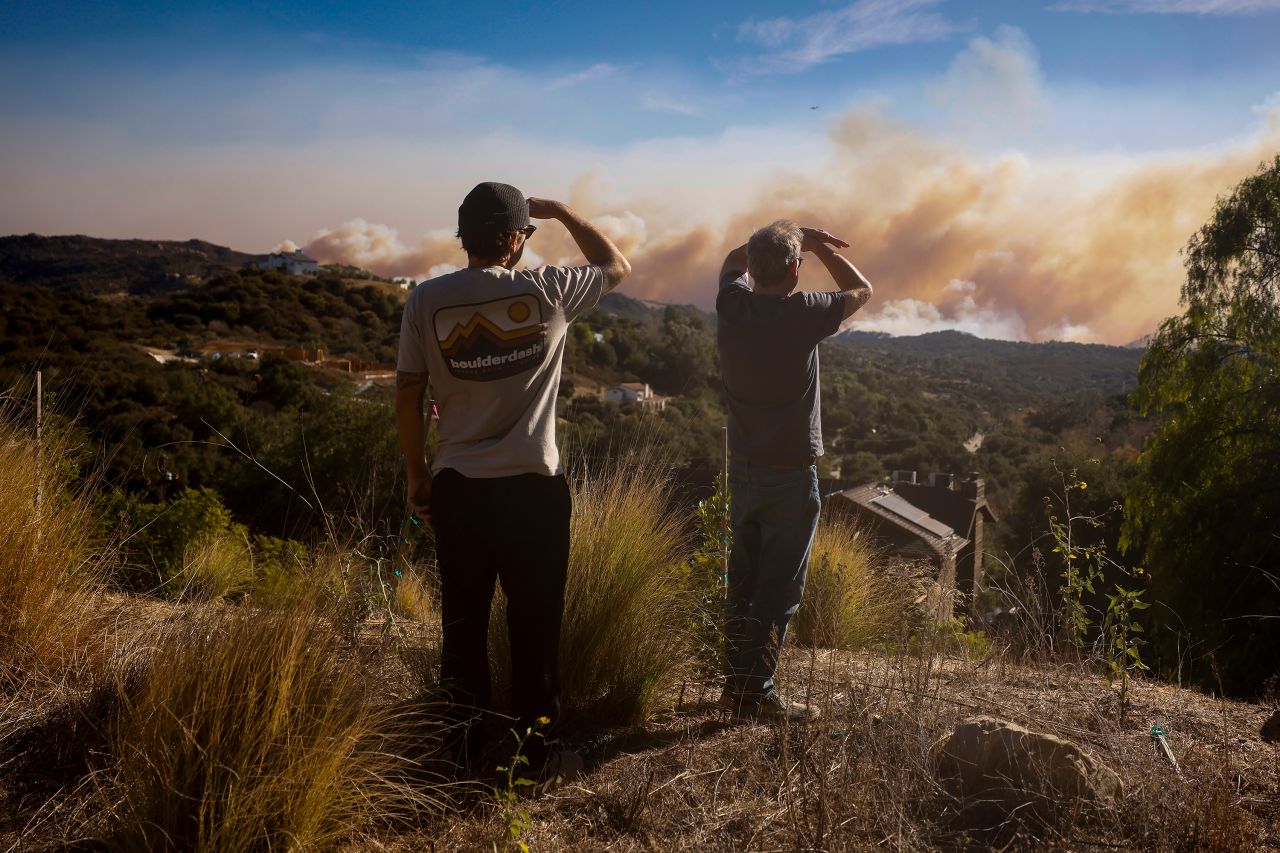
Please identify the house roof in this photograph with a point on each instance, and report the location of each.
(633, 386)
(924, 534)
(295, 256)
(950, 506)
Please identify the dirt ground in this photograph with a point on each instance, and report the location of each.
(859, 778)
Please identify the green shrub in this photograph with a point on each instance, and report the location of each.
(163, 540)
(951, 638)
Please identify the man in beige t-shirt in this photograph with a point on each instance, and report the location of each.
(490, 340)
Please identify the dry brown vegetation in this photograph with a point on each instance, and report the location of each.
(293, 720)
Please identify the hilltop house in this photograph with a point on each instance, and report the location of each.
(637, 394)
(942, 522)
(296, 262)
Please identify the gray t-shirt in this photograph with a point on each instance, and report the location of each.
(769, 362)
(492, 341)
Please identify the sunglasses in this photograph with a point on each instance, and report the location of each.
(528, 230)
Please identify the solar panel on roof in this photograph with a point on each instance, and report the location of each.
(901, 508)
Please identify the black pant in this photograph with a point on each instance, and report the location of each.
(514, 530)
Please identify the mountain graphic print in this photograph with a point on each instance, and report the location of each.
(492, 340)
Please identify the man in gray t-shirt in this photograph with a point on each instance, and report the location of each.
(768, 334)
(490, 340)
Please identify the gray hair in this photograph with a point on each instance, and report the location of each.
(771, 250)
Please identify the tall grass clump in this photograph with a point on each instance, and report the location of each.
(250, 731)
(626, 635)
(214, 567)
(853, 596)
(52, 560)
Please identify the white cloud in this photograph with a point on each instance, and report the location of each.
(599, 71)
(1170, 7)
(994, 85)
(795, 44)
(661, 104)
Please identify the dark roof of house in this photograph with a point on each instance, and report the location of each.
(950, 506)
(299, 255)
(926, 535)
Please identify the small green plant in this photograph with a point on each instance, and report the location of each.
(1081, 564)
(706, 575)
(1083, 567)
(515, 816)
(950, 637)
(1122, 640)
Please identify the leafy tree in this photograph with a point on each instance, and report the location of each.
(1208, 497)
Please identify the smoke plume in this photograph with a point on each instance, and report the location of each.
(1015, 246)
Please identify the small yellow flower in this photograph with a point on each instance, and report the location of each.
(1083, 485)
(544, 721)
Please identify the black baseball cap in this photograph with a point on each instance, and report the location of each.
(493, 207)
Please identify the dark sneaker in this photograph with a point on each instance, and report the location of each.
(563, 767)
(774, 709)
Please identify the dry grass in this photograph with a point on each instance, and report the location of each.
(626, 633)
(216, 567)
(626, 637)
(416, 597)
(861, 778)
(251, 732)
(853, 596)
(144, 725)
(52, 562)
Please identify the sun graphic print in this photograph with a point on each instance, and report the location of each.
(492, 340)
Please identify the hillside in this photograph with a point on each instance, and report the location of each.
(1039, 370)
(85, 309)
(96, 265)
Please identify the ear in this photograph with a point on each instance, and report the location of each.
(512, 245)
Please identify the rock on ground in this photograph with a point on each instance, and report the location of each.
(1271, 728)
(999, 770)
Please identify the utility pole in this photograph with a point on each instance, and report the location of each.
(724, 524)
(39, 474)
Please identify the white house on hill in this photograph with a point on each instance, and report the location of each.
(296, 262)
(635, 394)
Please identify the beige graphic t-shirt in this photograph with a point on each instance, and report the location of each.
(492, 341)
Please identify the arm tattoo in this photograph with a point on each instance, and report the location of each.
(405, 380)
(414, 382)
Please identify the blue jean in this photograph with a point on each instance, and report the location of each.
(774, 512)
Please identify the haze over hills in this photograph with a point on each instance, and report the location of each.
(98, 265)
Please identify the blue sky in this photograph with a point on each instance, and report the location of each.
(354, 128)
